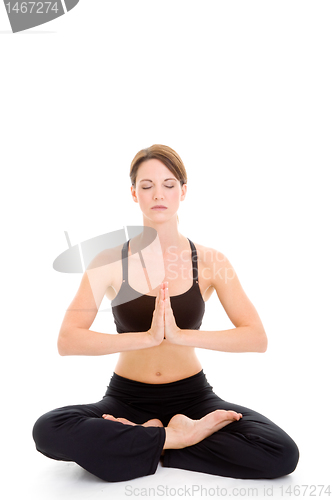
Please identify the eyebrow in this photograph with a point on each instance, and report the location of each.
(169, 179)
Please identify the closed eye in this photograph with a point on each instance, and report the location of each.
(170, 187)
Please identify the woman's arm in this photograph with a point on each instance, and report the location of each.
(239, 339)
(75, 337)
(248, 335)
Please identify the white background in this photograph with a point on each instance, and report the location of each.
(243, 92)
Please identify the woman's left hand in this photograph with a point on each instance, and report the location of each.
(171, 330)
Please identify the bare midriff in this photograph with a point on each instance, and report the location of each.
(159, 365)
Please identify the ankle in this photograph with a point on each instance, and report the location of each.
(173, 439)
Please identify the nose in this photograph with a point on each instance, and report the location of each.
(158, 193)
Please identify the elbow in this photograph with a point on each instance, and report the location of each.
(61, 349)
(62, 345)
(262, 342)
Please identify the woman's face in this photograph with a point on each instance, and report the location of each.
(157, 185)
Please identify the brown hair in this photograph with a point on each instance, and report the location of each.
(166, 155)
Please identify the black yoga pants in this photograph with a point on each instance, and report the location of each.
(250, 448)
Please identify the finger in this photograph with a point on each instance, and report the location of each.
(167, 296)
(161, 292)
(158, 298)
(159, 306)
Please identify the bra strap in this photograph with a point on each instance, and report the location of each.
(124, 257)
(194, 262)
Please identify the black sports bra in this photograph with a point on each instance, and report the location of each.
(136, 313)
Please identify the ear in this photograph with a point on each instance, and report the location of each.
(183, 192)
(133, 192)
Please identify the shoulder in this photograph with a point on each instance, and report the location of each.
(105, 266)
(209, 254)
(214, 263)
(106, 257)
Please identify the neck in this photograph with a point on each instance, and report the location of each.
(168, 239)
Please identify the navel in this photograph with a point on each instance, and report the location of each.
(158, 374)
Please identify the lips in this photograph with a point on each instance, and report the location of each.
(161, 207)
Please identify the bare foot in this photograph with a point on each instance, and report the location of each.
(183, 431)
(154, 422)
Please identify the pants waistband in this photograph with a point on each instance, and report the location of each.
(188, 387)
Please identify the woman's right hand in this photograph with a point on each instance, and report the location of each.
(156, 331)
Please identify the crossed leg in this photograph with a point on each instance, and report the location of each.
(253, 447)
(210, 436)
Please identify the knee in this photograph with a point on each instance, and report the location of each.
(287, 458)
(42, 431)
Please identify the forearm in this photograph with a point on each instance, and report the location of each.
(239, 339)
(81, 341)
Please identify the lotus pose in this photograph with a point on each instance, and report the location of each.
(159, 405)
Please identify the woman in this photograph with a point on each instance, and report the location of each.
(159, 405)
